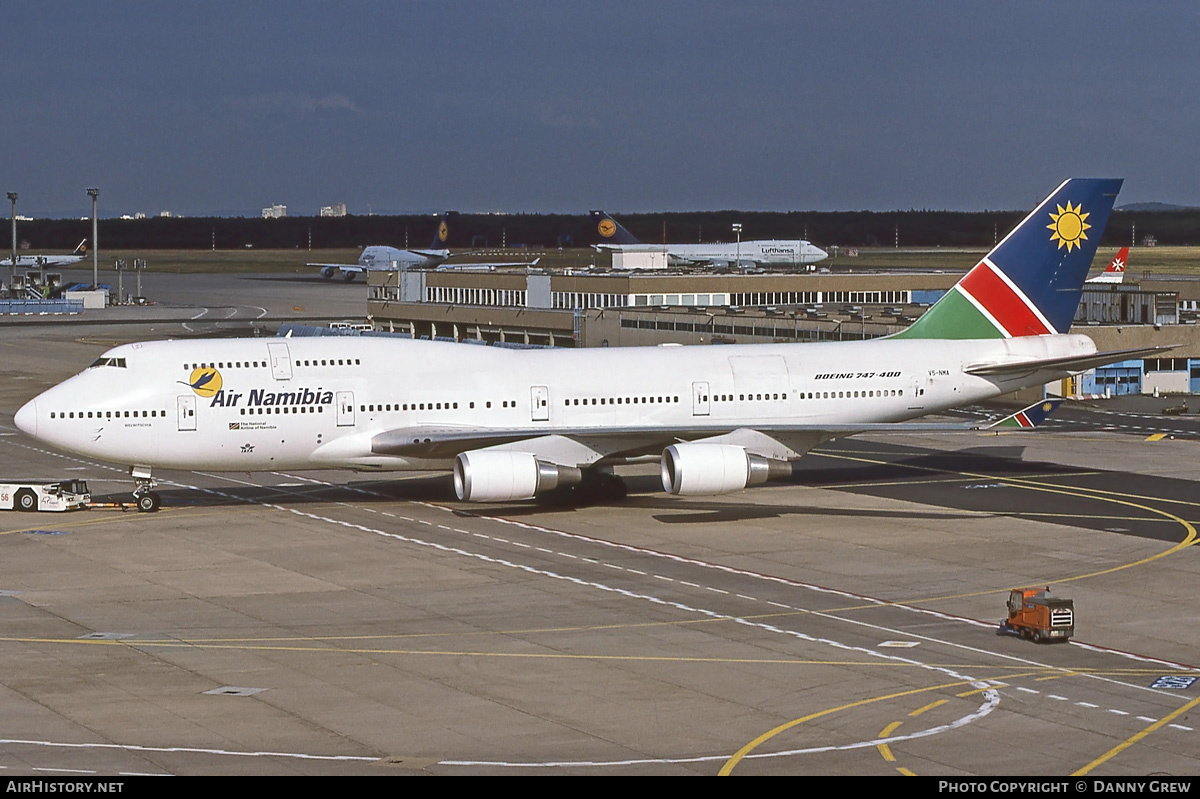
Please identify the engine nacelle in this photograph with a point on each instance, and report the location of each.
(706, 469)
(327, 272)
(500, 475)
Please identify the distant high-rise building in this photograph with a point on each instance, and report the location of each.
(337, 209)
(276, 211)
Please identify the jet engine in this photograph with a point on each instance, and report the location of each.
(705, 469)
(500, 475)
(327, 272)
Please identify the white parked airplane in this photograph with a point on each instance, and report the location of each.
(389, 259)
(765, 252)
(381, 258)
(514, 423)
(39, 261)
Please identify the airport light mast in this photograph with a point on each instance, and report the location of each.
(94, 193)
(12, 196)
(737, 228)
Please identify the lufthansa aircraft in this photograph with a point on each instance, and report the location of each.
(766, 252)
(38, 261)
(389, 259)
(380, 258)
(515, 423)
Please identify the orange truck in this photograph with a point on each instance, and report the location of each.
(1034, 614)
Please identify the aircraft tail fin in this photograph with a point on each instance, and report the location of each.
(441, 235)
(610, 230)
(1115, 273)
(81, 249)
(1032, 416)
(1031, 282)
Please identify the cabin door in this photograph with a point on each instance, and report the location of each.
(539, 403)
(186, 406)
(345, 408)
(281, 360)
(700, 399)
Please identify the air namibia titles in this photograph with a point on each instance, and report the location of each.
(260, 396)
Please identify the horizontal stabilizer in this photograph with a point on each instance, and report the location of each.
(1032, 416)
(1071, 363)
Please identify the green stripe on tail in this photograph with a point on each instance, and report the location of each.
(952, 317)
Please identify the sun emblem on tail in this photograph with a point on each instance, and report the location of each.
(1069, 226)
(607, 228)
(443, 232)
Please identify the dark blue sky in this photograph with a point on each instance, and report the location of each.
(549, 106)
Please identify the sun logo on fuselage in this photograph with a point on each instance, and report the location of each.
(205, 381)
(607, 228)
(1069, 225)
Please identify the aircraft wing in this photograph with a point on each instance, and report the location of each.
(586, 447)
(1074, 363)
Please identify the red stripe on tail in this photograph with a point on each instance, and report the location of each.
(1002, 302)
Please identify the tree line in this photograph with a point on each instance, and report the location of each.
(540, 231)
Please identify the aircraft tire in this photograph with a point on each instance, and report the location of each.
(26, 500)
(613, 488)
(148, 502)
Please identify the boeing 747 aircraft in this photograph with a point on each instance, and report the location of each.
(515, 423)
(39, 261)
(378, 257)
(389, 259)
(767, 252)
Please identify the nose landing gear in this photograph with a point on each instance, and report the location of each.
(144, 495)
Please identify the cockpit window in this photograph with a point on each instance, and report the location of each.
(118, 362)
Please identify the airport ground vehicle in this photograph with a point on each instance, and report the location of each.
(1176, 410)
(1034, 614)
(54, 495)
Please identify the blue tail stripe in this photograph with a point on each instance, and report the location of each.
(1050, 271)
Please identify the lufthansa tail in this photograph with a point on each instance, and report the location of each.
(610, 231)
(439, 247)
(1031, 282)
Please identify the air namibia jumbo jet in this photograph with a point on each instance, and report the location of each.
(515, 423)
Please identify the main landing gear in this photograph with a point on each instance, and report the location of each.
(597, 487)
(144, 495)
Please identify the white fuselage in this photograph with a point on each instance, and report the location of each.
(42, 261)
(796, 252)
(308, 403)
(380, 258)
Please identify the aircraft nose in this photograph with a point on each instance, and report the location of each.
(26, 418)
